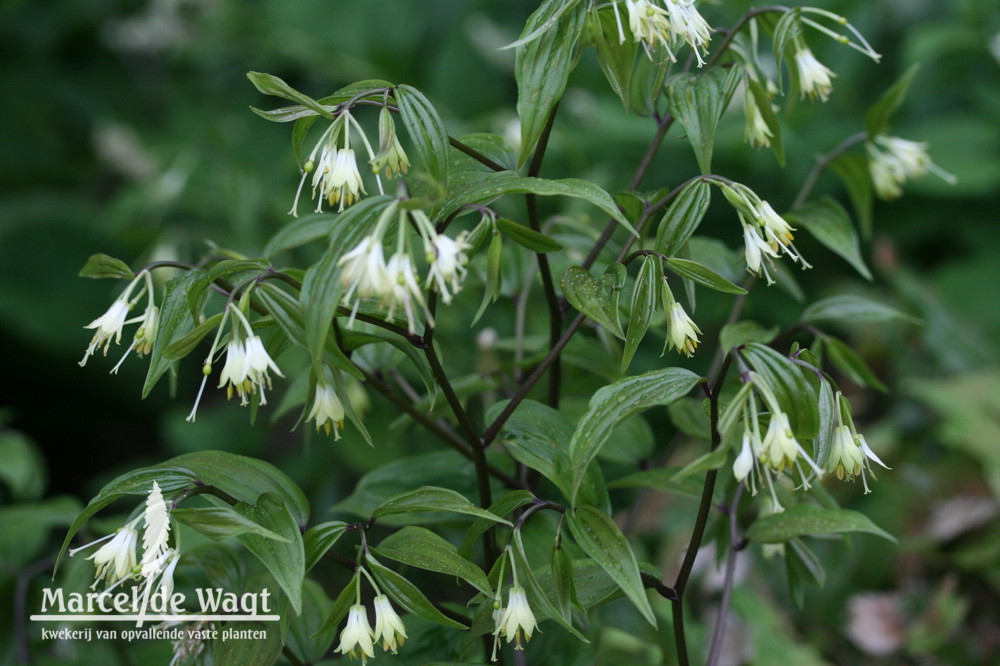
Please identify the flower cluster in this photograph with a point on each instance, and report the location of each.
(334, 166)
(815, 79)
(366, 274)
(652, 26)
(108, 327)
(116, 560)
(850, 454)
(762, 458)
(892, 161)
(358, 639)
(766, 235)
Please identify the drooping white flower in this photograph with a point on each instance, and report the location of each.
(234, 372)
(405, 290)
(145, 335)
(388, 626)
(780, 446)
(815, 79)
(757, 251)
(682, 332)
(517, 618)
(649, 25)
(777, 232)
(337, 178)
(327, 411)
(892, 161)
(356, 638)
(745, 459)
(845, 458)
(869, 455)
(116, 559)
(258, 363)
(447, 259)
(108, 327)
(363, 270)
(689, 25)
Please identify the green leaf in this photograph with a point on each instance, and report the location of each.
(853, 171)
(341, 606)
(407, 595)
(598, 535)
(264, 648)
(811, 519)
(543, 65)
(538, 596)
(222, 522)
(184, 345)
(426, 131)
(697, 102)
(431, 498)
(830, 224)
(796, 395)
(300, 231)
(851, 364)
(644, 299)
(596, 297)
(616, 58)
(646, 85)
(285, 559)
(877, 118)
(827, 422)
(498, 184)
(663, 479)
(615, 402)
(100, 266)
(703, 275)
(743, 332)
(527, 237)
(787, 29)
(683, 217)
(320, 538)
(494, 275)
(853, 309)
(272, 85)
(22, 466)
(306, 637)
(762, 100)
(421, 548)
(354, 340)
(175, 323)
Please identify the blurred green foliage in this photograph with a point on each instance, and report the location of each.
(127, 131)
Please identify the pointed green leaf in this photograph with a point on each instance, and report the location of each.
(854, 309)
(175, 323)
(184, 345)
(285, 559)
(644, 300)
(742, 332)
(851, 364)
(421, 548)
(300, 231)
(527, 237)
(100, 266)
(615, 57)
(341, 606)
(542, 66)
(540, 597)
(615, 402)
(431, 498)
(320, 538)
(853, 171)
(222, 522)
(502, 506)
(426, 130)
(272, 85)
(408, 595)
(830, 224)
(762, 100)
(703, 275)
(599, 537)
(811, 519)
(494, 275)
(796, 395)
(596, 297)
(697, 102)
(683, 217)
(877, 118)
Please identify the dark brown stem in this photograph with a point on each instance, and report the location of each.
(475, 154)
(698, 532)
(548, 285)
